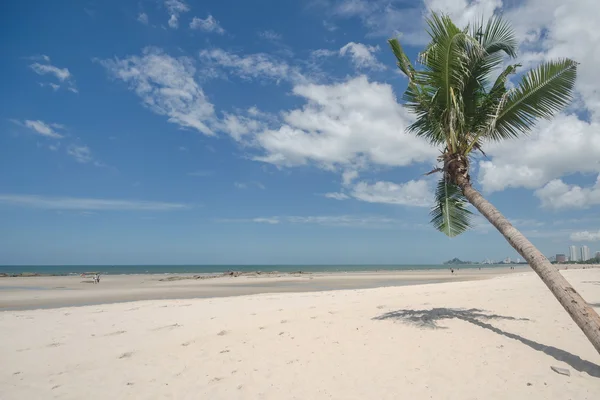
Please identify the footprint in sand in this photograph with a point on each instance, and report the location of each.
(187, 343)
(284, 321)
(216, 379)
(224, 351)
(261, 327)
(222, 333)
(160, 328)
(126, 355)
(380, 307)
(313, 317)
(55, 344)
(115, 333)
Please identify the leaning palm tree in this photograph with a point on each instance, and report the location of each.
(459, 106)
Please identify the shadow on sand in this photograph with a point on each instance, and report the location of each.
(430, 318)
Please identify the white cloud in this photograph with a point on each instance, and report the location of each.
(75, 203)
(585, 236)
(270, 220)
(270, 35)
(567, 144)
(337, 196)
(349, 124)
(555, 148)
(81, 154)
(464, 12)
(362, 55)
(167, 86)
(42, 69)
(558, 195)
(358, 221)
(246, 185)
(252, 66)
(238, 126)
(411, 193)
(143, 18)
(175, 8)
(210, 24)
(62, 74)
(41, 127)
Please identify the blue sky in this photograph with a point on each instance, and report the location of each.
(204, 132)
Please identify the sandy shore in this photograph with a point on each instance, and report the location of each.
(61, 291)
(484, 339)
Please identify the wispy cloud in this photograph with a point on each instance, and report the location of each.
(210, 24)
(44, 67)
(246, 185)
(251, 66)
(74, 203)
(585, 236)
(166, 86)
(143, 18)
(175, 8)
(41, 127)
(270, 35)
(81, 154)
(368, 221)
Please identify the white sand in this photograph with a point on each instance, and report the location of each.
(323, 345)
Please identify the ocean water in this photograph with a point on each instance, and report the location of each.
(208, 269)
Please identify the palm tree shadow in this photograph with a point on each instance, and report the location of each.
(430, 318)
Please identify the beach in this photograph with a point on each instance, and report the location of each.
(29, 292)
(469, 335)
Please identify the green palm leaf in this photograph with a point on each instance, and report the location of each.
(450, 215)
(541, 93)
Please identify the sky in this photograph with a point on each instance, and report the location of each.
(267, 132)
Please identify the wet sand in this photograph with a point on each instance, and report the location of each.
(20, 293)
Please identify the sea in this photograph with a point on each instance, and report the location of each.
(212, 269)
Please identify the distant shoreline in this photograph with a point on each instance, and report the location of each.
(74, 270)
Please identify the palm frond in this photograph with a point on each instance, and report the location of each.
(403, 61)
(541, 93)
(450, 214)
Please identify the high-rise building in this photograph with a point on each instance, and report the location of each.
(598, 255)
(561, 258)
(572, 253)
(585, 253)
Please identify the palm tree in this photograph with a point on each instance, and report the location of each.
(459, 107)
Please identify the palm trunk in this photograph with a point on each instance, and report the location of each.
(584, 316)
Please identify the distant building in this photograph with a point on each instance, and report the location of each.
(585, 253)
(561, 258)
(598, 254)
(572, 253)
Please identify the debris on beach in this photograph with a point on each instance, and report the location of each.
(562, 371)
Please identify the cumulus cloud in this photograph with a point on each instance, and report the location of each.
(166, 86)
(175, 9)
(210, 24)
(362, 55)
(348, 124)
(559, 195)
(76, 203)
(585, 236)
(411, 193)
